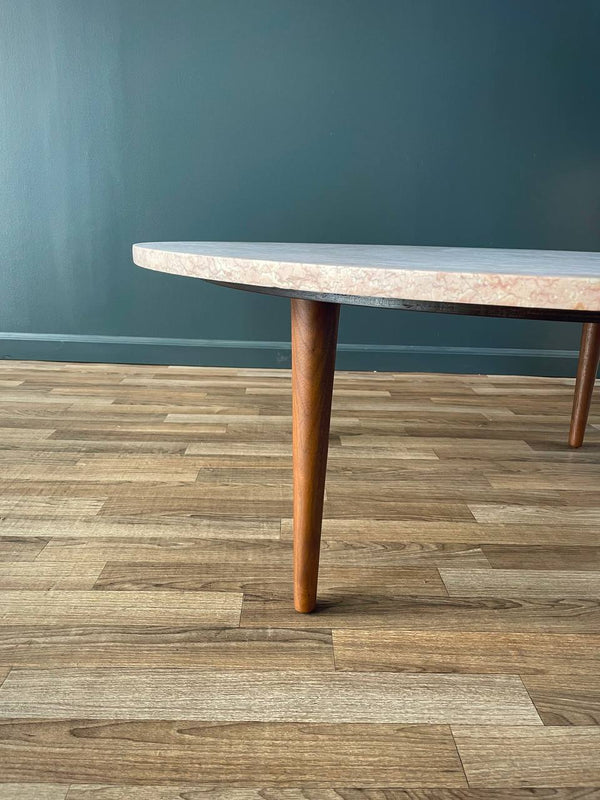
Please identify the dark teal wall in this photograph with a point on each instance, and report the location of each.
(440, 122)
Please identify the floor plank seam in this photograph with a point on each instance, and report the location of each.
(458, 755)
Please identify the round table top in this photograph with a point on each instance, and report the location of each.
(542, 279)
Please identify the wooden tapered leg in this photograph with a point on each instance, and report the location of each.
(314, 339)
(589, 355)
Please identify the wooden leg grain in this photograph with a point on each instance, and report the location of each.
(589, 355)
(314, 339)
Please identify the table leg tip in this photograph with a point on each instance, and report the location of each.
(304, 606)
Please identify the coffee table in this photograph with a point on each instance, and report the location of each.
(319, 278)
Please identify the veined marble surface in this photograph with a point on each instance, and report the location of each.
(558, 279)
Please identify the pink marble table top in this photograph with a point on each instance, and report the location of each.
(553, 279)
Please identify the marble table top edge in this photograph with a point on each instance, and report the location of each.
(487, 276)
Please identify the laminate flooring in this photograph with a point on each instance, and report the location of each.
(148, 645)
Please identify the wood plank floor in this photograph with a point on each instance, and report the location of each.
(148, 646)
